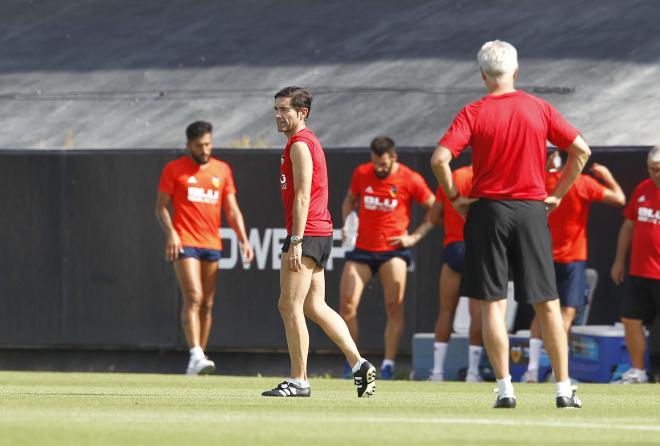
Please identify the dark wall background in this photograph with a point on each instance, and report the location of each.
(82, 253)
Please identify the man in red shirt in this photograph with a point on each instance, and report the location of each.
(640, 234)
(568, 227)
(506, 226)
(196, 185)
(306, 249)
(382, 191)
(453, 255)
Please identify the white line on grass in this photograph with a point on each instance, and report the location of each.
(99, 416)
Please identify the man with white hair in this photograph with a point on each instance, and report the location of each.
(641, 232)
(507, 222)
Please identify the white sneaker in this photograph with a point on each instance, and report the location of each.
(633, 376)
(530, 376)
(473, 378)
(200, 366)
(436, 376)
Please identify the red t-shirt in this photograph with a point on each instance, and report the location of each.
(568, 223)
(644, 210)
(319, 222)
(384, 209)
(196, 194)
(453, 221)
(508, 136)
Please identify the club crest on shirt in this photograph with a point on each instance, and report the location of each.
(393, 191)
(215, 181)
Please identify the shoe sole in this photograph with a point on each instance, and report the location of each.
(207, 370)
(371, 383)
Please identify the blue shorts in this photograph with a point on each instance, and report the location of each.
(572, 283)
(203, 254)
(375, 259)
(453, 255)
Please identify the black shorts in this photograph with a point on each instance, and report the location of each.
(318, 248)
(572, 283)
(453, 255)
(508, 234)
(644, 302)
(375, 259)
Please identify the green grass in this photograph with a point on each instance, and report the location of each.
(123, 409)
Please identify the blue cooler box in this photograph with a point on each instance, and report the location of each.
(519, 357)
(597, 351)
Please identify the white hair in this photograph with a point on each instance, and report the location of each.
(654, 155)
(497, 59)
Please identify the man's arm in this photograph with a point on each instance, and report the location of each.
(173, 242)
(235, 220)
(408, 240)
(436, 214)
(578, 154)
(613, 195)
(622, 247)
(348, 205)
(302, 165)
(440, 165)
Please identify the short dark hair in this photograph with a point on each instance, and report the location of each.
(300, 98)
(381, 145)
(198, 129)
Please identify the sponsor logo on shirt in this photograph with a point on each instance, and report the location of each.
(283, 182)
(201, 195)
(641, 199)
(192, 180)
(372, 203)
(369, 190)
(648, 215)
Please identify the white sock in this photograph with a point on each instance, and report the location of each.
(439, 353)
(299, 383)
(474, 356)
(564, 388)
(387, 362)
(196, 353)
(505, 388)
(535, 346)
(357, 366)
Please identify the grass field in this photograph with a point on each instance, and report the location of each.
(125, 409)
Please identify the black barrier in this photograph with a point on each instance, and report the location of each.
(82, 261)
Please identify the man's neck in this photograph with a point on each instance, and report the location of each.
(298, 128)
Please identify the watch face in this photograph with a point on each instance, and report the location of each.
(295, 239)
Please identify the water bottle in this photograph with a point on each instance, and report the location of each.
(351, 225)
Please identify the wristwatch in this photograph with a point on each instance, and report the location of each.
(295, 240)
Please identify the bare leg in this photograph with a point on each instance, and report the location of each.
(475, 336)
(535, 328)
(393, 278)
(635, 341)
(567, 316)
(188, 274)
(554, 337)
(354, 277)
(209, 273)
(294, 287)
(449, 284)
(496, 338)
(331, 323)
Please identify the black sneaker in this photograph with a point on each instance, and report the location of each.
(285, 388)
(505, 403)
(365, 380)
(564, 402)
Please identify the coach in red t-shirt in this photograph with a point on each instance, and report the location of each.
(506, 226)
(383, 192)
(197, 186)
(568, 227)
(640, 234)
(304, 188)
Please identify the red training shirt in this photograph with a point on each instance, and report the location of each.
(508, 136)
(453, 222)
(196, 194)
(319, 222)
(568, 223)
(384, 209)
(644, 210)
